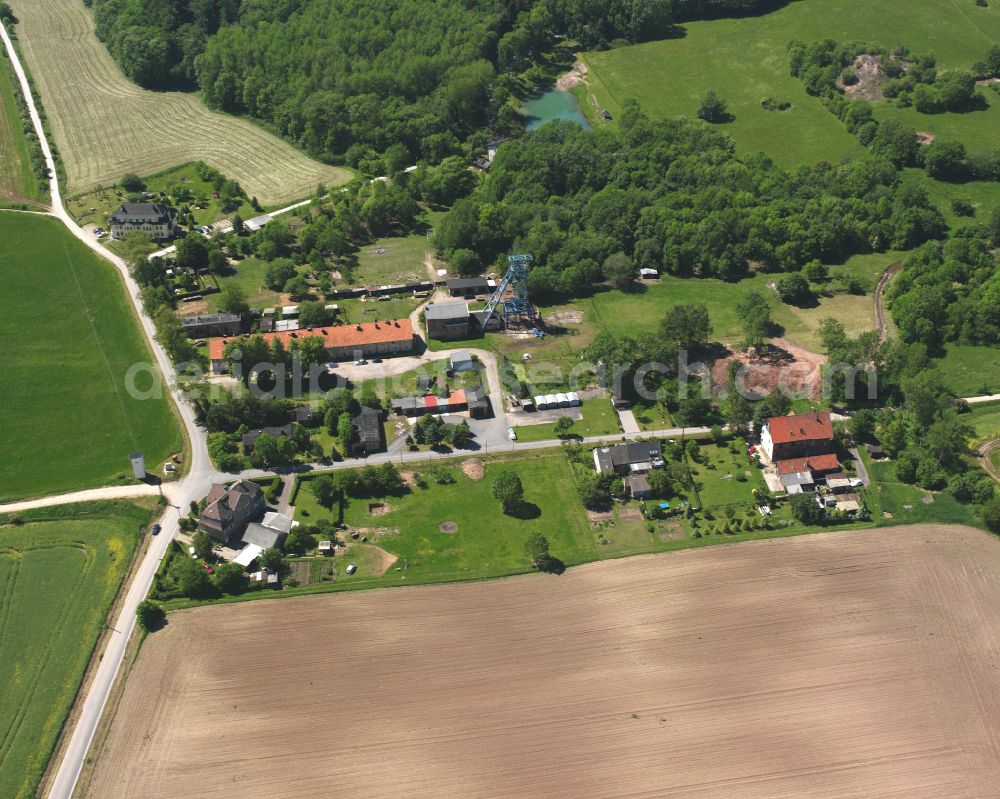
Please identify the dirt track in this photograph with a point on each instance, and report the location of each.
(842, 665)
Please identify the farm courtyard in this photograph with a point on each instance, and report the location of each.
(855, 665)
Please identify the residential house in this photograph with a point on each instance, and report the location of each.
(342, 342)
(304, 415)
(156, 220)
(251, 436)
(637, 486)
(797, 436)
(367, 434)
(214, 324)
(230, 509)
(636, 457)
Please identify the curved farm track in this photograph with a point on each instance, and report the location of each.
(887, 275)
(105, 126)
(986, 452)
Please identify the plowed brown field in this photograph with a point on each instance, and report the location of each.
(844, 665)
(105, 125)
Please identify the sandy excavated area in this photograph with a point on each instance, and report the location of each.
(862, 664)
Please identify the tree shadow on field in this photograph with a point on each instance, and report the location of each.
(525, 511)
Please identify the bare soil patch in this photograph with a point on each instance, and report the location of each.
(576, 76)
(378, 508)
(925, 137)
(781, 364)
(473, 468)
(630, 515)
(848, 665)
(448, 527)
(559, 318)
(599, 516)
(192, 308)
(870, 74)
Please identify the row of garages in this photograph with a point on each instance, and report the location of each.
(544, 402)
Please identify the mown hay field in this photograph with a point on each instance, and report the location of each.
(849, 665)
(104, 125)
(71, 336)
(59, 573)
(745, 60)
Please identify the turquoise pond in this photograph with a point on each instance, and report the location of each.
(544, 106)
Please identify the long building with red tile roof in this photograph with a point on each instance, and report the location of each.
(797, 436)
(343, 342)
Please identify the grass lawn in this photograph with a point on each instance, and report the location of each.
(725, 477)
(599, 419)
(248, 274)
(983, 194)
(745, 60)
(984, 419)
(17, 179)
(487, 542)
(977, 130)
(970, 370)
(899, 503)
(96, 206)
(59, 573)
(391, 260)
(71, 334)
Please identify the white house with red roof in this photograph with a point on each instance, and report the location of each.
(798, 435)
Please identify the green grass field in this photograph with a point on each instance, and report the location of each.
(977, 130)
(71, 336)
(744, 61)
(899, 503)
(487, 543)
(599, 419)
(392, 259)
(970, 370)
(59, 573)
(18, 182)
(984, 419)
(984, 196)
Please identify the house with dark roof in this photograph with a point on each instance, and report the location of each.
(304, 415)
(230, 508)
(367, 434)
(637, 486)
(156, 220)
(213, 324)
(635, 457)
(797, 436)
(251, 436)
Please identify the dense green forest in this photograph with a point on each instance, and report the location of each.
(673, 196)
(350, 78)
